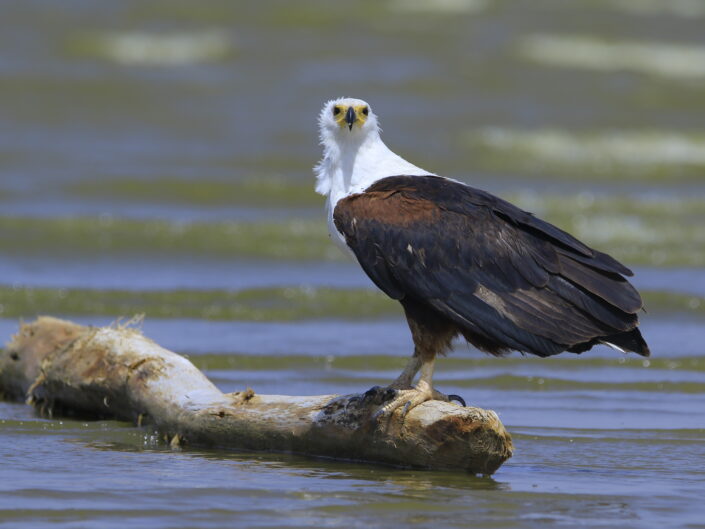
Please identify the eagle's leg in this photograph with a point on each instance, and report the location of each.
(432, 334)
(407, 397)
(404, 381)
(407, 376)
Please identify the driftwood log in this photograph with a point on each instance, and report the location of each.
(62, 367)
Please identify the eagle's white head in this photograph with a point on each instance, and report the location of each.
(354, 155)
(346, 121)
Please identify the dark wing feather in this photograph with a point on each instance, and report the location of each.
(610, 287)
(490, 267)
(529, 222)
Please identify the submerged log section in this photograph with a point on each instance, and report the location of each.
(117, 372)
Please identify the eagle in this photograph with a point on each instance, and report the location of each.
(463, 262)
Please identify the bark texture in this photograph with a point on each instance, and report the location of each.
(62, 367)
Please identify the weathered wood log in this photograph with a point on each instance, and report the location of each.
(61, 367)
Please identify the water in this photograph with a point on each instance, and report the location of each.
(156, 157)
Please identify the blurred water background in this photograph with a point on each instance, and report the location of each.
(155, 157)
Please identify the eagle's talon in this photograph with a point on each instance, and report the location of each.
(460, 400)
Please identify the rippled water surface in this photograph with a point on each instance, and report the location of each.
(155, 157)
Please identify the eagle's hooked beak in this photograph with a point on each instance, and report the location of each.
(350, 117)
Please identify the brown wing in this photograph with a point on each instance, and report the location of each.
(489, 266)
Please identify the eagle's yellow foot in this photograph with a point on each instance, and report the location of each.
(406, 400)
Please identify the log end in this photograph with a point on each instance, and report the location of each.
(435, 435)
(23, 356)
(466, 437)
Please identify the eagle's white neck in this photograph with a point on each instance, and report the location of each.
(353, 161)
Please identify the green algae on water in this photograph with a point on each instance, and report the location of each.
(266, 304)
(257, 304)
(264, 191)
(291, 240)
(458, 361)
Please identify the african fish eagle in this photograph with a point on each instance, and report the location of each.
(462, 261)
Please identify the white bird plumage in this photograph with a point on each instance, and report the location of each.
(353, 159)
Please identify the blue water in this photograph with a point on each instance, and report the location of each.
(91, 95)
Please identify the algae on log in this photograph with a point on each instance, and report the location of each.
(62, 367)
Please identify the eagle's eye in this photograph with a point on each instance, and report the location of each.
(336, 111)
(365, 111)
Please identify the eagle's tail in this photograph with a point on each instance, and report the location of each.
(628, 341)
(621, 341)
